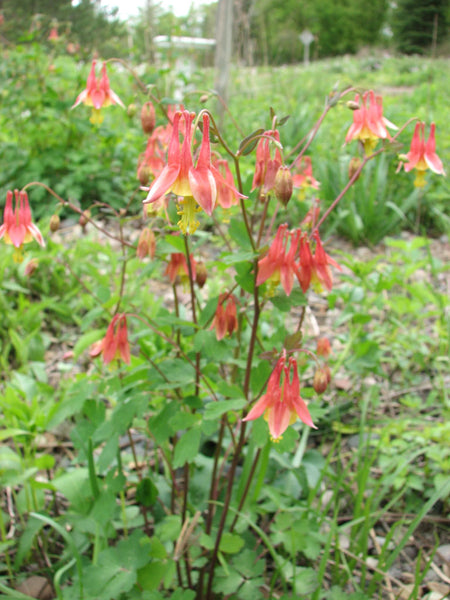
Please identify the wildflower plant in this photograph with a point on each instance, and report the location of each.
(189, 370)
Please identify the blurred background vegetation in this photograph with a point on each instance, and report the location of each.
(265, 31)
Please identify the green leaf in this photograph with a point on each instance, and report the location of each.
(285, 303)
(214, 410)
(146, 492)
(248, 144)
(231, 543)
(238, 233)
(187, 447)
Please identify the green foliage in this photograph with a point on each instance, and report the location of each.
(141, 481)
(419, 24)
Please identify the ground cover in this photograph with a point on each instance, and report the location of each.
(107, 469)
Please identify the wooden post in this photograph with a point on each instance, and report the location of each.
(224, 43)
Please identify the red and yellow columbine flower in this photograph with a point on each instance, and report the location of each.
(115, 343)
(227, 194)
(303, 178)
(196, 186)
(369, 125)
(97, 94)
(315, 269)
(278, 265)
(422, 156)
(17, 228)
(266, 167)
(225, 320)
(178, 267)
(282, 403)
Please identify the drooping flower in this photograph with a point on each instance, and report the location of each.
(97, 94)
(369, 125)
(178, 267)
(422, 156)
(225, 320)
(196, 186)
(315, 269)
(18, 228)
(321, 272)
(146, 244)
(303, 177)
(279, 265)
(323, 347)
(227, 195)
(53, 36)
(282, 403)
(266, 167)
(115, 343)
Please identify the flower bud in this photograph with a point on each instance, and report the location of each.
(131, 110)
(323, 347)
(353, 166)
(201, 274)
(204, 98)
(31, 267)
(146, 244)
(283, 185)
(144, 172)
(322, 378)
(54, 223)
(148, 119)
(352, 105)
(84, 218)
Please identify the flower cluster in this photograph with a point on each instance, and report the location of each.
(290, 255)
(97, 94)
(282, 403)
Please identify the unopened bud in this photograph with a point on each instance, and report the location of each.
(322, 378)
(201, 274)
(123, 212)
(146, 244)
(352, 105)
(144, 172)
(54, 223)
(204, 98)
(148, 119)
(84, 218)
(284, 185)
(353, 166)
(31, 267)
(323, 347)
(131, 110)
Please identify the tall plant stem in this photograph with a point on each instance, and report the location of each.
(241, 441)
(246, 489)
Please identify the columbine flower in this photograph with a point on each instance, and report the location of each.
(282, 403)
(97, 94)
(315, 269)
(227, 195)
(196, 186)
(115, 343)
(279, 263)
(17, 228)
(178, 267)
(422, 156)
(225, 320)
(369, 125)
(266, 167)
(303, 178)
